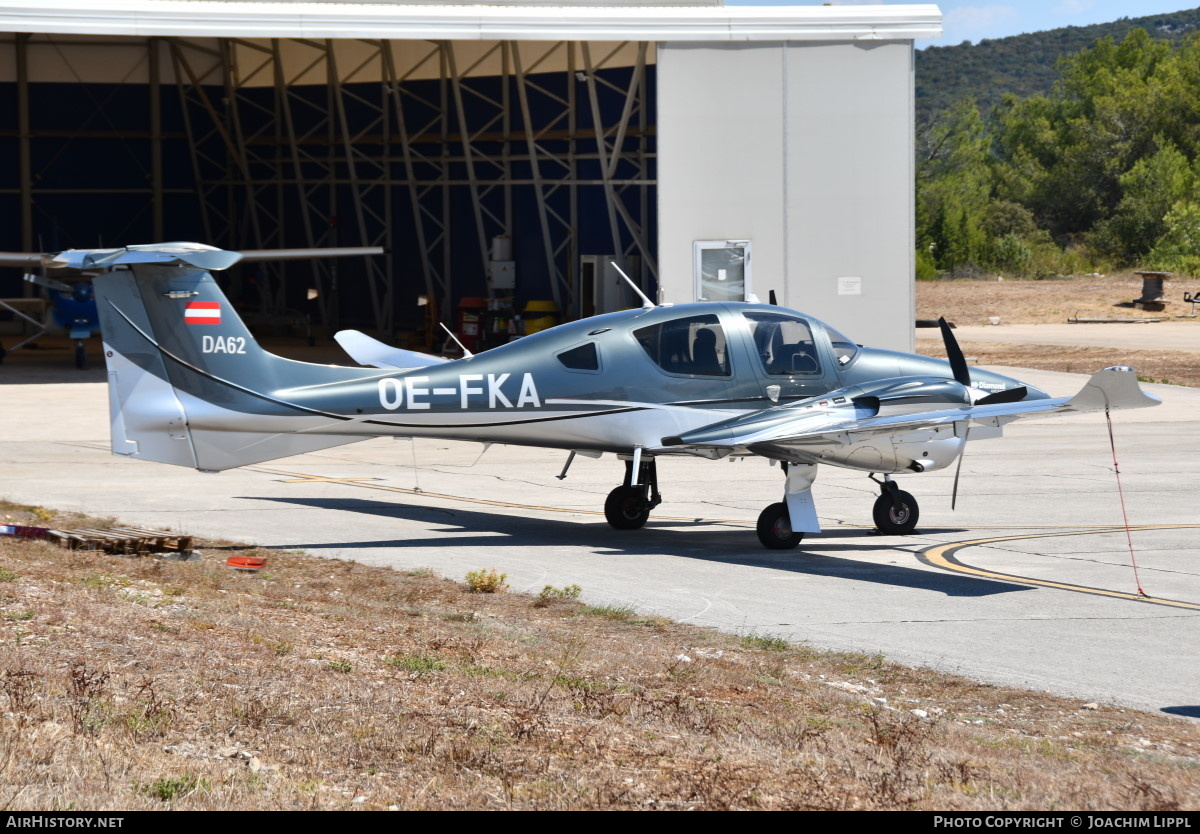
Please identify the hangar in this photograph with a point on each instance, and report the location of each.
(502, 151)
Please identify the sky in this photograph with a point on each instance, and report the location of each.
(973, 20)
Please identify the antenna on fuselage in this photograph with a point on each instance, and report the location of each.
(647, 304)
(466, 353)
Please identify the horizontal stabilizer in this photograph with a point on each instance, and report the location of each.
(367, 351)
(198, 255)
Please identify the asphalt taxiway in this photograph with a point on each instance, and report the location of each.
(1030, 582)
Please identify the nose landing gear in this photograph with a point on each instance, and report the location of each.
(895, 511)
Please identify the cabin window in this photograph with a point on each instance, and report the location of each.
(694, 345)
(585, 357)
(784, 344)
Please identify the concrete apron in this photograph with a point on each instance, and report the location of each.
(1036, 594)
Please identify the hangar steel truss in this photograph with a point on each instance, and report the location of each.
(280, 163)
(384, 153)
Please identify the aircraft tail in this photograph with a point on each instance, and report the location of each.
(188, 384)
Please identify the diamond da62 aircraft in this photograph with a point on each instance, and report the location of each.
(188, 385)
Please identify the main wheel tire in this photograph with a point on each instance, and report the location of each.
(775, 528)
(897, 517)
(626, 508)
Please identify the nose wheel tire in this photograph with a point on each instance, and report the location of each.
(898, 515)
(775, 528)
(626, 508)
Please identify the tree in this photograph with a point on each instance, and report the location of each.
(954, 182)
(1178, 250)
(1148, 191)
(1063, 155)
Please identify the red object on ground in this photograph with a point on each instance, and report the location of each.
(246, 562)
(23, 532)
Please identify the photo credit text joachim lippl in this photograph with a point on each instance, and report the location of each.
(1078, 822)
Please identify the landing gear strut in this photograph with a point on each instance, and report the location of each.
(782, 526)
(895, 511)
(628, 506)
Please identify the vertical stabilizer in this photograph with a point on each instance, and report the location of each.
(188, 384)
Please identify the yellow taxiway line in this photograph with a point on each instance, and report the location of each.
(945, 556)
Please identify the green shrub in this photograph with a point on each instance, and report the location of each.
(550, 595)
(487, 581)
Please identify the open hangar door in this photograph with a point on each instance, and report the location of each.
(782, 132)
(431, 150)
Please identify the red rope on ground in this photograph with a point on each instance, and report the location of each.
(1124, 515)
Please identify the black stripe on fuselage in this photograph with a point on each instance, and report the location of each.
(183, 362)
(625, 410)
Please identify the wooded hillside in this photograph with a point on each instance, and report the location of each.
(1023, 64)
(1101, 171)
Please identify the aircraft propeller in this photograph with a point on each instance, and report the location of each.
(962, 374)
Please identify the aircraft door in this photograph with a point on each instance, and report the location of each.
(789, 356)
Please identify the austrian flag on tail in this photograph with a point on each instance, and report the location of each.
(202, 312)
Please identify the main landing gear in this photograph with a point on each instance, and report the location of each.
(775, 528)
(628, 506)
(895, 511)
(782, 526)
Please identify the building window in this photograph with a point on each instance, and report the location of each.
(722, 270)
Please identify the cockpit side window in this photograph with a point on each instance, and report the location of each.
(584, 357)
(844, 350)
(784, 344)
(693, 345)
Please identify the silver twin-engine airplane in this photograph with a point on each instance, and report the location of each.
(189, 385)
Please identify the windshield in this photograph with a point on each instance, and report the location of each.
(844, 349)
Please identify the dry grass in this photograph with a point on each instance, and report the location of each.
(1168, 366)
(1052, 302)
(1044, 302)
(140, 683)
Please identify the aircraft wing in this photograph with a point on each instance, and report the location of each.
(1112, 388)
(249, 255)
(21, 259)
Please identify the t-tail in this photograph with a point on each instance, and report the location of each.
(188, 384)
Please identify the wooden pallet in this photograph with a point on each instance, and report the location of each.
(123, 541)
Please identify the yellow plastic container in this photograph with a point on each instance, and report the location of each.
(540, 315)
